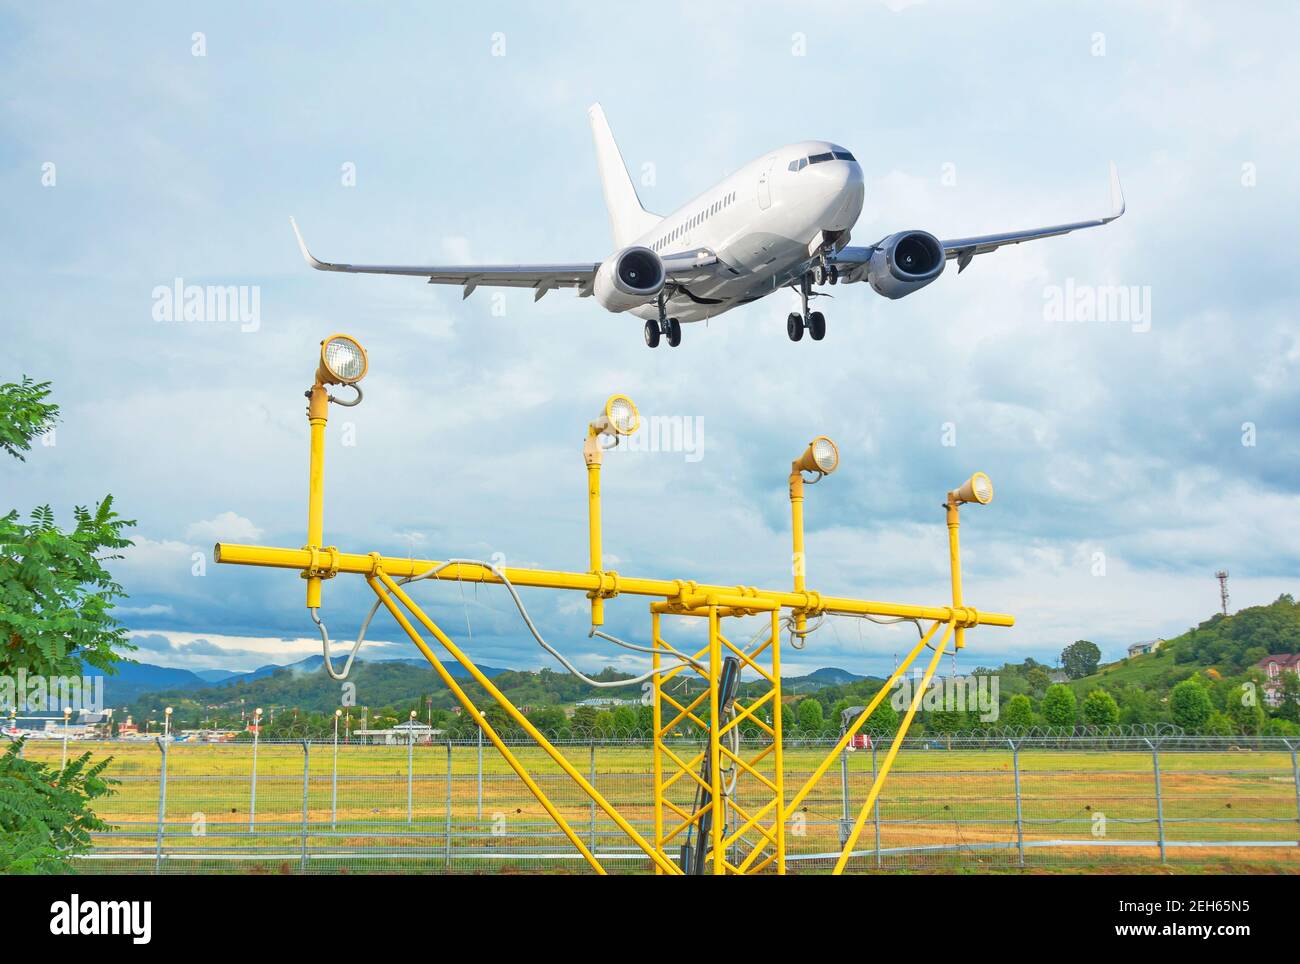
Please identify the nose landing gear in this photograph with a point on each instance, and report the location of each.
(814, 321)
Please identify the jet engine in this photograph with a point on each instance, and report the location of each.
(628, 278)
(905, 262)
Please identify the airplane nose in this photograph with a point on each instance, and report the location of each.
(840, 191)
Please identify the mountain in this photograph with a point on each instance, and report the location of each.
(214, 675)
(831, 676)
(132, 680)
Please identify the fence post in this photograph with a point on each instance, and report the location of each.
(1160, 803)
(1295, 777)
(877, 807)
(410, 776)
(478, 813)
(306, 771)
(448, 864)
(1020, 818)
(334, 780)
(592, 777)
(162, 808)
(252, 793)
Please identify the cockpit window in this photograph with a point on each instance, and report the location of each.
(843, 156)
(799, 165)
(818, 158)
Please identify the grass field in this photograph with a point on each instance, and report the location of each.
(1079, 809)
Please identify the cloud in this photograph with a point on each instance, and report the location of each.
(1098, 438)
(226, 527)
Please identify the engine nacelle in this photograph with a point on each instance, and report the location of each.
(905, 262)
(629, 278)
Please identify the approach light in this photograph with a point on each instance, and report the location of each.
(619, 417)
(342, 361)
(978, 489)
(821, 456)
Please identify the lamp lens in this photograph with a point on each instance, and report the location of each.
(982, 488)
(623, 415)
(344, 359)
(824, 454)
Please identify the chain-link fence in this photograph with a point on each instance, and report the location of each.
(949, 803)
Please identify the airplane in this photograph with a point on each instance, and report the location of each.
(781, 221)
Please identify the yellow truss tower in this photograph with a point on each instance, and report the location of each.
(719, 799)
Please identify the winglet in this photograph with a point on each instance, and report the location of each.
(307, 255)
(1117, 204)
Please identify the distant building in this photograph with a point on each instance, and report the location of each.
(1058, 676)
(599, 701)
(1274, 666)
(402, 734)
(1141, 649)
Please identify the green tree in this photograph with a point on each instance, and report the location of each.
(1100, 708)
(624, 722)
(56, 602)
(1080, 659)
(1058, 705)
(1019, 713)
(810, 716)
(789, 722)
(884, 719)
(584, 721)
(1038, 680)
(1189, 705)
(45, 814)
(1218, 724)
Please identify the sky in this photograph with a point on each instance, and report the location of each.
(145, 143)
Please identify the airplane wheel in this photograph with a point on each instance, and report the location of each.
(835, 275)
(819, 274)
(794, 326)
(817, 326)
(674, 332)
(652, 334)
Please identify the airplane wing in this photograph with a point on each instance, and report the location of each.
(964, 249)
(540, 277)
(680, 268)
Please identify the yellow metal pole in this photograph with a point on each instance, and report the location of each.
(797, 558)
(591, 455)
(954, 561)
(469, 707)
(525, 724)
(317, 416)
(657, 717)
(778, 751)
(717, 807)
(279, 557)
(893, 752)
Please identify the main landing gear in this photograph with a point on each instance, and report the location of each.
(812, 321)
(669, 327)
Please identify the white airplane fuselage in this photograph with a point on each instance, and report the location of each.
(763, 222)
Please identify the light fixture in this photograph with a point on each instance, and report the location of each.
(821, 456)
(342, 361)
(619, 417)
(978, 489)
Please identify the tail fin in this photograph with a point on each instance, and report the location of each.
(627, 218)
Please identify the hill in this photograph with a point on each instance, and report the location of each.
(1228, 645)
